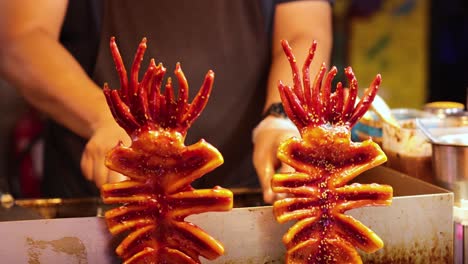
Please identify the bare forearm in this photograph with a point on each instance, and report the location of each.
(299, 23)
(53, 81)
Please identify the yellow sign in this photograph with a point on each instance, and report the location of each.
(393, 41)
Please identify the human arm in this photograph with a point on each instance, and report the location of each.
(49, 78)
(300, 23)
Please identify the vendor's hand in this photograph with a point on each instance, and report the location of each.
(105, 137)
(267, 138)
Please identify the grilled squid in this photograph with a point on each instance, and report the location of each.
(158, 195)
(325, 160)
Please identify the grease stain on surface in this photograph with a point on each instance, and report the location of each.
(71, 246)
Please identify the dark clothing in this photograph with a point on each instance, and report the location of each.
(448, 78)
(230, 37)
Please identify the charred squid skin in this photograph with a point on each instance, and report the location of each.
(158, 195)
(325, 160)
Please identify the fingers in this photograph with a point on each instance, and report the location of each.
(115, 177)
(263, 163)
(87, 165)
(266, 162)
(265, 181)
(264, 171)
(103, 140)
(268, 195)
(94, 168)
(285, 168)
(100, 171)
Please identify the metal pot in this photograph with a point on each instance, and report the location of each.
(449, 139)
(450, 165)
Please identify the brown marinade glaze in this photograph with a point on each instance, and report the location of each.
(296, 183)
(198, 201)
(321, 158)
(374, 196)
(127, 191)
(352, 234)
(146, 164)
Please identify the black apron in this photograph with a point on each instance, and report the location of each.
(226, 36)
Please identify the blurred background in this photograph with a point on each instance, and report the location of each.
(419, 47)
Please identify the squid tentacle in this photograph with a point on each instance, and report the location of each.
(326, 92)
(154, 102)
(182, 102)
(132, 91)
(295, 71)
(120, 67)
(141, 100)
(352, 94)
(315, 102)
(306, 75)
(200, 100)
(365, 103)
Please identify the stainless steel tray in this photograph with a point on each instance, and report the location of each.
(416, 228)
